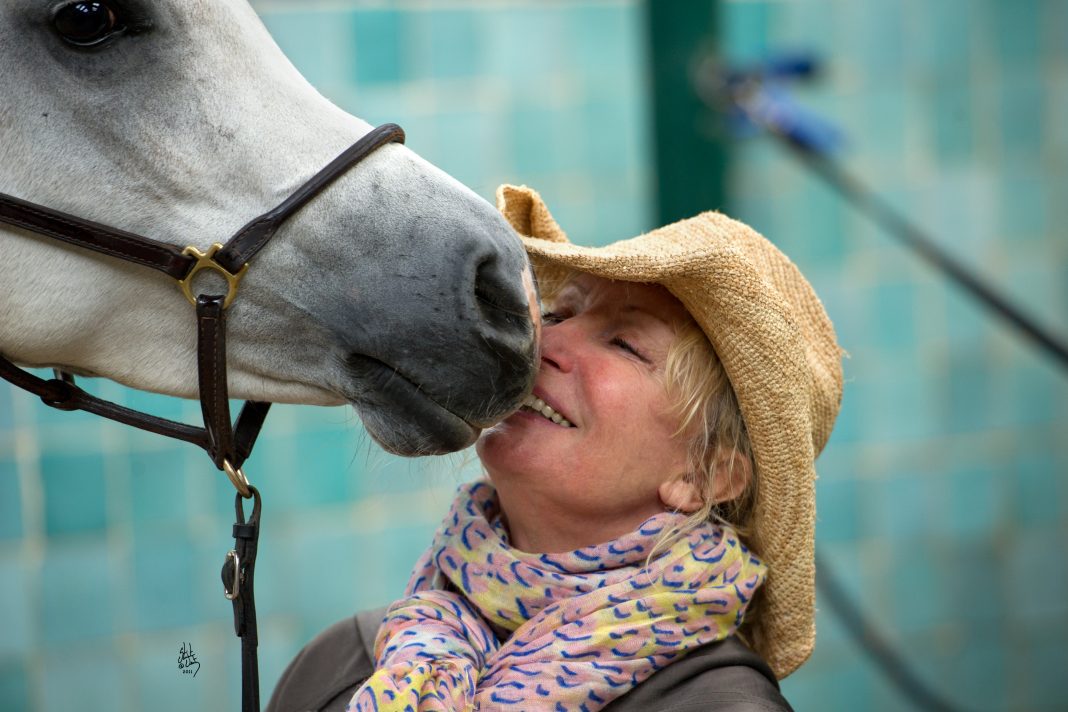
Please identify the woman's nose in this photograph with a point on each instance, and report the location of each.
(558, 343)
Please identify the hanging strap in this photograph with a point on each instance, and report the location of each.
(238, 577)
(211, 371)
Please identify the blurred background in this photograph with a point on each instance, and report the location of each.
(943, 496)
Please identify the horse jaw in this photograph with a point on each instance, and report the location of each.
(182, 134)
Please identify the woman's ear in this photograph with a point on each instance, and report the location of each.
(732, 472)
(681, 494)
(731, 476)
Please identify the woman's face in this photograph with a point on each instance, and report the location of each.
(604, 346)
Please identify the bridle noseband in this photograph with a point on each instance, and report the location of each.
(228, 445)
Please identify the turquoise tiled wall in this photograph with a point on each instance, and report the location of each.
(943, 496)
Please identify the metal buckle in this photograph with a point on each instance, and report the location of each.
(237, 478)
(233, 560)
(206, 260)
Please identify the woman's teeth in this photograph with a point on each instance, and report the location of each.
(540, 406)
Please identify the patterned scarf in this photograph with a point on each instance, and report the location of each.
(579, 628)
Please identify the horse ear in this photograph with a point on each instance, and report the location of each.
(681, 495)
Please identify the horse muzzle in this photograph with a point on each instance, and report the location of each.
(433, 387)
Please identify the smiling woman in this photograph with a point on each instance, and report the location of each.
(644, 537)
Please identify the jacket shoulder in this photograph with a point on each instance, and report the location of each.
(724, 676)
(326, 672)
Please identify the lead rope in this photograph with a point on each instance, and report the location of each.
(238, 577)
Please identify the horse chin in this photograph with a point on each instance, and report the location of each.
(400, 417)
(398, 434)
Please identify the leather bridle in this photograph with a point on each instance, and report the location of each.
(228, 445)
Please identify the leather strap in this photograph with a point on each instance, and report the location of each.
(94, 236)
(223, 441)
(247, 429)
(169, 259)
(238, 575)
(63, 394)
(211, 369)
(247, 241)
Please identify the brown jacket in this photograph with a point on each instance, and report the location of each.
(721, 677)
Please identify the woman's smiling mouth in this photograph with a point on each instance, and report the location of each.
(542, 408)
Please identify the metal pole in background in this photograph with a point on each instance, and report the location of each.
(679, 31)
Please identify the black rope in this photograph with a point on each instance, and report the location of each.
(238, 577)
(864, 634)
(865, 200)
(859, 626)
(883, 654)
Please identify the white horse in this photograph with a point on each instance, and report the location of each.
(397, 289)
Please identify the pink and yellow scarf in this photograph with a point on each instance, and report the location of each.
(579, 628)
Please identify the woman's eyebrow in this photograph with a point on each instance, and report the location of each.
(630, 309)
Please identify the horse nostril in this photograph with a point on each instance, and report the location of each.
(501, 299)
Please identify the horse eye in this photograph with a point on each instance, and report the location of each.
(86, 23)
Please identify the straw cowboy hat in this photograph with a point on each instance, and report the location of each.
(779, 350)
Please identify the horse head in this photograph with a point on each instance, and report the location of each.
(396, 289)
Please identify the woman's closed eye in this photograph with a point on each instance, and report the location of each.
(629, 347)
(555, 317)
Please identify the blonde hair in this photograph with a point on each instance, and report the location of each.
(707, 407)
